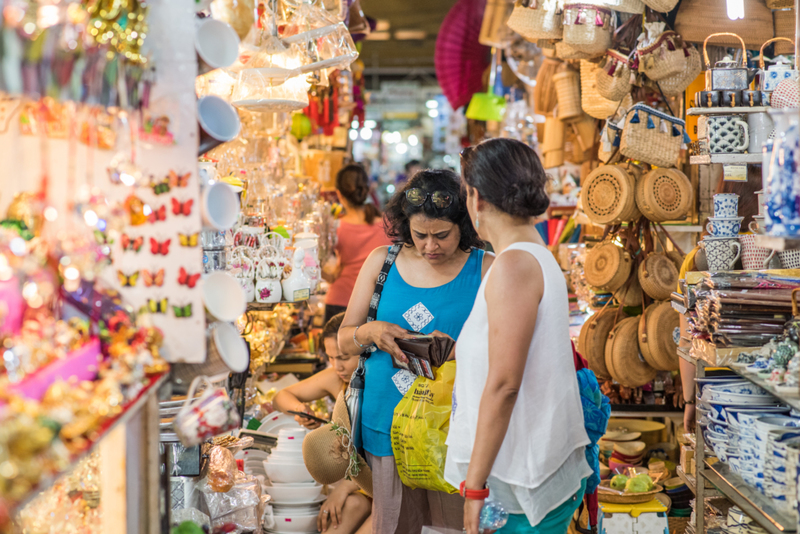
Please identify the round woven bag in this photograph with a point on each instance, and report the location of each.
(658, 276)
(630, 294)
(541, 22)
(608, 195)
(656, 326)
(676, 258)
(568, 93)
(663, 195)
(592, 340)
(662, 6)
(607, 267)
(623, 361)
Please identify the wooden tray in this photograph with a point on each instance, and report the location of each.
(606, 494)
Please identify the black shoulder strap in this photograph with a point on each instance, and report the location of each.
(394, 250)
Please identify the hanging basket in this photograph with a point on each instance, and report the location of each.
(607, 196)
(554, 130)
(623, 6)
(568, 92)
(780, 4)
(652, 136)
(630, 294)
(658, 276)
(592, 341)
(676, 85)
(656, 326)
(664, 58)
(664, 195)
(535, 20)
(554, 158)
(614, 76)
(544, 92)
(607, 267)
(662, 6)
(588, 28)
(622, 355)
(677, 259)
(592, 102)
(566, 52)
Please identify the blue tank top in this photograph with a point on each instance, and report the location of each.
(444, 308)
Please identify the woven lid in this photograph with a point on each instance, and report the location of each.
(658, 276)
(656, 326)
(327, 458)
(592, 340)
(664, 194)
(606, 194)
(607, 267)
(622, 352)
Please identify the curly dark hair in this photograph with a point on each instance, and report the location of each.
(399, 211)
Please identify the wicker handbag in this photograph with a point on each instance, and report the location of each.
(567, 52)
(622, 355)
(592, 340)
(662, 6)
(534, 19)
(607, 196)
(656, 326)
(692, 68)
(664, 58)
(658, 276)
(614, 76)
(568, 93)
(592, 102)
(607, 267)
(652, 136)
(630, 294)
(623, 6)
(588, 27)
(664, 195)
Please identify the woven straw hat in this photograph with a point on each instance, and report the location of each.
(607, 267)
(658, 276)
(664, 195)
(592, 341)
(325, 456)
(656, 326)
(622, 355)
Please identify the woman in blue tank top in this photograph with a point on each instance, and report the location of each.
(430, 289)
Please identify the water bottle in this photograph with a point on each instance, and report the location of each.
(493, 516)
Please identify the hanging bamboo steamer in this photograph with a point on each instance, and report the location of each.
(623, 360)
(607, 267)
(658, 276)
(663, 195)
(630, 294)
(607, 195)
(592, 340)
(656, 326)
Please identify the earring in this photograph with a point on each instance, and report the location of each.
(477, 222)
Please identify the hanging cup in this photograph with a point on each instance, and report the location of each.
(216, 44)
(219, 123)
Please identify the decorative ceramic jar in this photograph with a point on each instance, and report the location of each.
(268, 282)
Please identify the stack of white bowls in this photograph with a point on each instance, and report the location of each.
(296, 497)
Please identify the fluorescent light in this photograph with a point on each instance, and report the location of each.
(735, 9)
(431, 104)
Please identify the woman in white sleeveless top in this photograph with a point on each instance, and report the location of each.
(517, 425)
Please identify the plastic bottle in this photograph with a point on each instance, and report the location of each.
(493, 516)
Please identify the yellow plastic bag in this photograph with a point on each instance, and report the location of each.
(419, 429)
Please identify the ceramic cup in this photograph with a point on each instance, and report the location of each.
(721, 253)
(219, 123)
(727, 134)
(207, 416)
(753, 256)
(216, 44)
(226, 343)
(223, 297)
(707, 99)
(730, 98)
(724, 227)
(757, 225)
(790, 259)
(220, 206)
(268, 290)
(726, 205)
(751, 99)
(759, 127)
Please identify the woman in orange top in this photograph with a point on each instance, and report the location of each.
(360, 232)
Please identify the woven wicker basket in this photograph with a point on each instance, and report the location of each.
(544, 93)
(554, 130)
(644, 140)
(614, 76)
(664, 195)
(540, 22)
(554, 158)
(607, 196)
(623, 6)
(592, 102)
(622, 355)
(783, 21)
(588, 28)
(568, 92)
(664, 58)
(629, 498)
(780, 4)
(676, 258)
(608, 152)
(630, 294)
(692, 68)
(567, 51)
(656, 326)
(494, 28)
(677, 525)
(592, 340)
(658, 276)
(662, 6)
(607, 267)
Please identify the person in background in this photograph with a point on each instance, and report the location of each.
(360, 231)
(517, 429)
(411, 168)
(347, 509)
(430, 288)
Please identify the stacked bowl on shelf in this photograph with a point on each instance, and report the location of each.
(296, 496)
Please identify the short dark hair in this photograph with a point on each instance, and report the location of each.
(352, 183)
(509, 175)
(412, 163)
(399, 211)
(331, 328)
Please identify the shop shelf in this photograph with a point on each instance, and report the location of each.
(726, 111)
(790, 400)
(725, 158)
(753, 503)
(777, 243)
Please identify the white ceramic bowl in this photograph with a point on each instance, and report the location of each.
(294, 493)
(296, 522)
(292, 433)
(251, 454)
(276, 421)
(279, 457)
(288, 473)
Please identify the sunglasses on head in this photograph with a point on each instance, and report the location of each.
(417, 197)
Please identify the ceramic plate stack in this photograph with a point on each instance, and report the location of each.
(768, 430)
(296, 497)
(254, 463)
(276, 421)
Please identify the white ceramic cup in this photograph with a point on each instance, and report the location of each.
(216, 44)
(219, 123)
(759, 126)
(220, 206)
(230, 346)
(223, 297)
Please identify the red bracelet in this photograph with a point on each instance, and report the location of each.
(473, 495)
